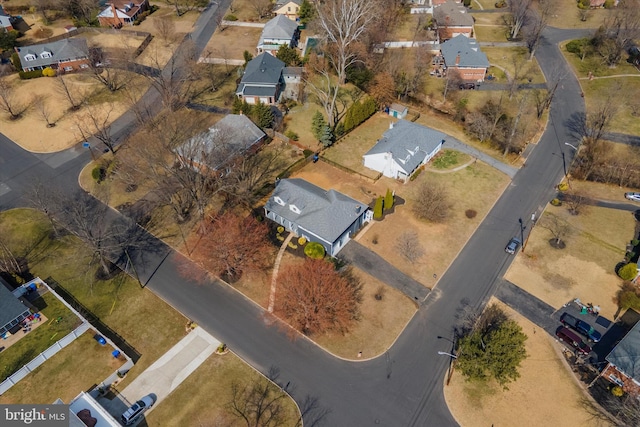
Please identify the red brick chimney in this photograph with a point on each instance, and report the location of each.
(458, 59)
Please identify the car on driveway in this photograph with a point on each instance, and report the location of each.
(136, 410)
(571, 338)
(463, 86)
(513, 246)
(632, 196)
(581, 326)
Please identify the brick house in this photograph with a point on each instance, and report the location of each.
(65, 55)
(262, 80)
(462, 55)
(623, 367)
(6, 20)
(122, 12)
(451, 19)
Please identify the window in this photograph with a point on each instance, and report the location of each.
(616, 380)
(68, 68)
(84, 65)
(30, 57)
(294, 209)
(278, 200)
(288, 8)
(45, 54)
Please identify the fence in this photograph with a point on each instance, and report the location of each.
(351, 171)
(147, 36)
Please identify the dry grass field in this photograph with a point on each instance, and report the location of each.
(232, 42)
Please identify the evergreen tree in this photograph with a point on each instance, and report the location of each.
(247, 57)
(289, 56)
(262, 115)
(318, 123)
(388, 200)
(306, 12)
(245, 108)
(377, 208)
(236, 108)
(327, 136)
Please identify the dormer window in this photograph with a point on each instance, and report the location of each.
(30, 57)
(279, 201)
(294, 209)
(45, 54)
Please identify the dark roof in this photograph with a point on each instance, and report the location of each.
(10, 306)
(325, 213)
(72, 48)
(293, 71)
(469, 50)
(264, 68)
(452, 14)
(258, 91)
(402, 140)
(625, 356)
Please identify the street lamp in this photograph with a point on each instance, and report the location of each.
(522, 228)
(444, 353)
(564, 164)
(572, 146)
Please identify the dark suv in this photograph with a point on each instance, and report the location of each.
(463, 86)
(581, 326)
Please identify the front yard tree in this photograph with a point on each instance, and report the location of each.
(44, 110)
(72, 94)
(388, 200)
(233, 244)
(536, 25)
(618, 31)
(289, 56)
(95, 122)
(592, 128)
(492, 351)
(408, 244)
(104, 71)
(10, 101)
(258, 403)
(558, 227)
(314, 297)
(318, 124)
(431, 202)
(166, 29)
(518, 15)
(262, 8)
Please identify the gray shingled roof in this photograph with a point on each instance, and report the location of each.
(72, 48)
(325, 213)
(468, 49)
(452, 14)
(232, 135)
(280, 28)
(264, 68)
(10, 306)
(626, 354)
(402, 140)
(281, 3)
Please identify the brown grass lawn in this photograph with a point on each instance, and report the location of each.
(566, 16)
(349, 150)
(224, 94)
(493, 19)
(244, 11)
(595, 65)
(476, 187)
(406, 30)
(546, 386)
(585, 268)
(625, 91)
(490, 33)
(486, 4)
(298, 120)
(232, 42)
(213, 381)
(505, 57)
(111, 40)
(73, 369)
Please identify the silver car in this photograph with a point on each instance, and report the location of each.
(632, 196)
(136, 410)
(513, 246)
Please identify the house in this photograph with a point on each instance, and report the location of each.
(233, 136)
(292, 77)
(277, 32)
(288, 8)
(121, 12)
(623, 368)
(6, 20)
(323, 216)
(463, 56)
(451, 19)
(262, 80)
(403, 148)
(12, 310)
(66, 55)
(398, 111)
(84, 410)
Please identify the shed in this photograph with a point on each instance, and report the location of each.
(398, 111)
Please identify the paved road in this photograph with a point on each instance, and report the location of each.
(403, 387)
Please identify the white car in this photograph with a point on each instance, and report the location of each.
(632, 196)
(136, 410)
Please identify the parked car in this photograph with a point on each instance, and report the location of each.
(571, 338)
(513, 246)
(632, 196)
(581, 326)
(463, 86)
(136, 410)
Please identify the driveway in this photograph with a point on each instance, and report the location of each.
(455, 144)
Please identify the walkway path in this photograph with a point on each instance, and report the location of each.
(241, 24)
(455, 144)
(373, 264)
(274, 275)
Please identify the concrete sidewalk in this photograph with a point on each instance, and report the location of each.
(166, 373)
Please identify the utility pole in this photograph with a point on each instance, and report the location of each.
(522, 228)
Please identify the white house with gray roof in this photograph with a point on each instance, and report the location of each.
(403, 148)
(64, 55)
(278, 32)
(324, 216)
(12, 310)
(6, 20)
(262, 80)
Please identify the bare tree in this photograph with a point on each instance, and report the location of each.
(104, 69)
(258, 404)
(452, 82)
(96, 122)
(262, 8)
(618, 31)
(584, 14)
(81, 10)
(479, 126)
(431, 202)
(517, 16)
(166, 29)
(408, 244)
(8, 261)
(558, 227)
(575, 201)
(73, 95)
(536, 25)
(326, 89)
(47, 200)
(44, 110)
(343, 22)
(494, 112)
(10, 102)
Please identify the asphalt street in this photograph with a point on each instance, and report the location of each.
(404, 386)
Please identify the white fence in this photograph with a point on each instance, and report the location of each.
(43, 357)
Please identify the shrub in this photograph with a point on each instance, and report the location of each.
(388, 200)
(26, 75)
(415, 174)
(49, 72)
(307, 152)
(314, 250)
(358, 112)
(635, 242)
(279, 237)
(98, 174)
(231, 17)
(292, 245)
(377, 208)
(608, 4)
(556, 202)
(291, 135)
(500, 4)
(15, 60)
(470, 213)
(280, 229)
(375, 239)
(302, 241)
(628, 271)
(617, 391)
(563, 186)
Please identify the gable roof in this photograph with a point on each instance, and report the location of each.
(452, 14)
(264, 68)
(325, 213)
(279, 28)
(281, 3)
(124, 8)
(625, 356)
(2, 12)
(71, 48)
(402, 140)
(10, 306)
(232, 135)
(469, 51)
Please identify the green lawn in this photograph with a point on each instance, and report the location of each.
(506, 58)
(59, 322)
(594, 64)
(449, 159)
(299, 121)
(146, 322)
(411, 27)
